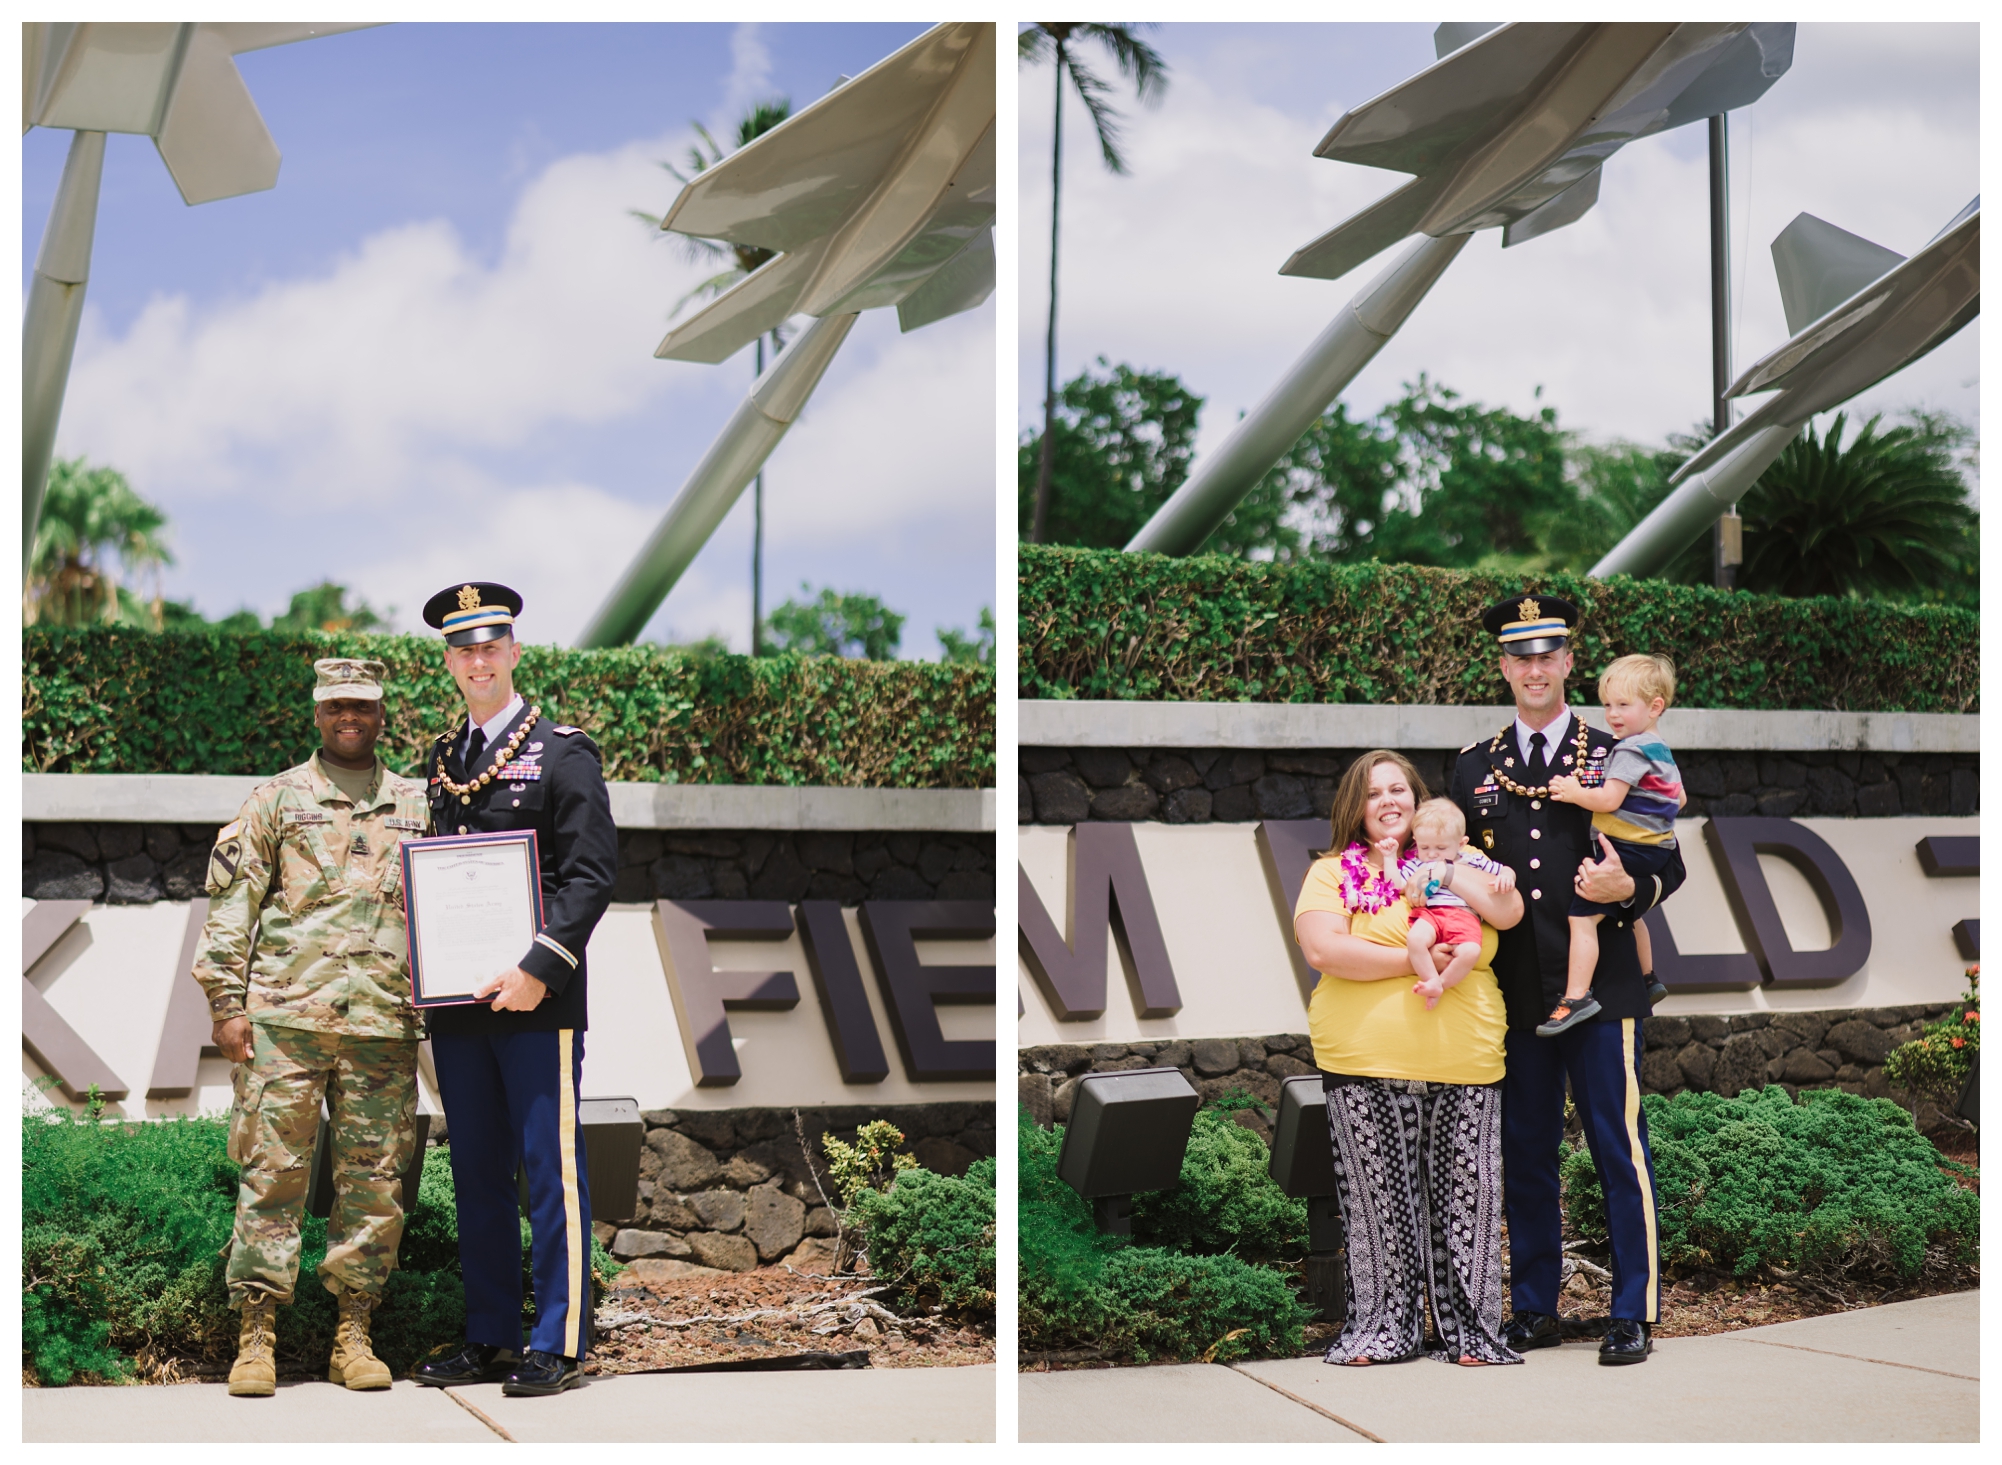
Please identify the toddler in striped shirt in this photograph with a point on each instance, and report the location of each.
(1634, 799)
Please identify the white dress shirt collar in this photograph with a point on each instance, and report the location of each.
(494, 726)
(1553, 736)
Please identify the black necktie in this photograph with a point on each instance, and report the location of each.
(475, 745)
(1539, 766)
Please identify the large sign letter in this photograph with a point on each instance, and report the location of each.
(702, 994)
(1106, 890)
(893, 928)
(1290, 847)
(1945, 856)
(1737, 844)
(45, 1037)
(851, 1027)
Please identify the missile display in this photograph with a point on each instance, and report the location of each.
(176, 83)
(1858, 313)
(881, 193)
(1510, 130)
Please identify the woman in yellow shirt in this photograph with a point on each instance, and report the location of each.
(1414, 1096)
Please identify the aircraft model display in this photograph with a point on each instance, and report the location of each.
(175, 83)
(881, 193)
(1510, 130)
(1858, 312)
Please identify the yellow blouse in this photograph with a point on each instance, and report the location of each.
(1382, 1029)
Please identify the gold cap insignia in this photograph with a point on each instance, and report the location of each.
(1527, 610)
(469, 598)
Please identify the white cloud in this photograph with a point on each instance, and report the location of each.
(415, 414)
(1175, 268)
(750, 77)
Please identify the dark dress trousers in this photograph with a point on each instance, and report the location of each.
(1544, 842)
(511, 1081)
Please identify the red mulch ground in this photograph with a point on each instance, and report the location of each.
(772, 1312)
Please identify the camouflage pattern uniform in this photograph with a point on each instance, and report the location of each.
(305, 936)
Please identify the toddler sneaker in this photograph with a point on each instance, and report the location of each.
(1568, 1013)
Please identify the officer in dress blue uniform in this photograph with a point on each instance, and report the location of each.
(1501, 784)
(510, 1064)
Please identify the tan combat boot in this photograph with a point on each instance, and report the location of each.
(255, 1372)
(354, 1363)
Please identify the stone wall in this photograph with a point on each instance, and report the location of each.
(127, 864)
(1843, 1049)
(1235, 785)
(732, 1188)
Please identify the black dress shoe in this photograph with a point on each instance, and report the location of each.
(475, 1363)
(543, 1373)
(1527, 1330)
(1626, 1342)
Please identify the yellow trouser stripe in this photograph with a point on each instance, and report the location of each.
(1630, 1059)
(573, 1219)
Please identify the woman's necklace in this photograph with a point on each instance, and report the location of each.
(1541, 791)
(1363, 887)
(465, 791)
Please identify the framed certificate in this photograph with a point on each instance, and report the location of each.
(473, 905)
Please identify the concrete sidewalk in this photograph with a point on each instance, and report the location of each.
(862, 1405)
(1907, 1372)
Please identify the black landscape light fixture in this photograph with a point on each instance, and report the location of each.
(320, 1179)
(613, 1136)
(1126, 1134)
(1303, 1162)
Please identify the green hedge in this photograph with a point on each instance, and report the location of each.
(1080, 1289)
(1835, 1185)
(117, 701)
(122, 1230)
(1100, 624)
(932, 1237)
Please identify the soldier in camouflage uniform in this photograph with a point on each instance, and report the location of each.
(304, 960)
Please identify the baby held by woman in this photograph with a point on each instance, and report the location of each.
(1445, 939)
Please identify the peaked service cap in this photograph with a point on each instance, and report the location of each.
(476, 611)
(1531, 624)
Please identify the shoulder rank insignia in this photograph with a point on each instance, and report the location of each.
(565, 732)
(1471, 746)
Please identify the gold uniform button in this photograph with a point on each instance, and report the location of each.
(1536, 895)
(462, 829)
(517, 803)
(1536, 834)
(465, 798)
(1536, 803)
(1536, 864)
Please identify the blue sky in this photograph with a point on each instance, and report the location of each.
(427, 354)
(1875, 129)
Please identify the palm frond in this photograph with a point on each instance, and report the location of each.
(1139, 62)
(1093, 92)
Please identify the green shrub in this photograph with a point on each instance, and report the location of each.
(1934, 1066)
(1835, 1184)
(104, 700)
(934, 1236)
(1226, 1201)
(1079, 1289)
(122, 1231)
(1104, 624)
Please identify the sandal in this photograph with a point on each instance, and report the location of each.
(1567, 1014)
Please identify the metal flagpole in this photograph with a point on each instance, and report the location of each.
(1727, 541)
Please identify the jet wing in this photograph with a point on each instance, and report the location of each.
(869, 195)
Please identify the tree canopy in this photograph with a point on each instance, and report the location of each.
(836, 625)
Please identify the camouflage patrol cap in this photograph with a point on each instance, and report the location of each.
(343, 676)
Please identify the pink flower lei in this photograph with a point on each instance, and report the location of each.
(1363, 889)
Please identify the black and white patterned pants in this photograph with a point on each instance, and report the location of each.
(1418, 1178)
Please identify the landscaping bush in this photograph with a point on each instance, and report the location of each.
(123, 1227)
(104, 700)
(1104, 624)
(1226, 1201)
(1079, 1289)
(1934, 1066)
(933, 1236)
(1835, 1185)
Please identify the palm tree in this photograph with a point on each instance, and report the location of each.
(738, 260)
(1143, 65)
(1887, 515)
(93, 526)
